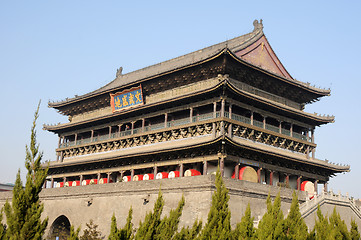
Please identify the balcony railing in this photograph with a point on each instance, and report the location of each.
(183, 121)
(257, 123)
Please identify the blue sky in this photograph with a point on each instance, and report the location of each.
(51, 50)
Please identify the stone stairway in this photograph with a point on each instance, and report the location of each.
(311, 205)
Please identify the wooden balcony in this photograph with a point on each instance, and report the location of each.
(212, 124)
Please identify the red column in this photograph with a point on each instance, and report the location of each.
(259, 175)
(299, 183)
(236, 170)
(287, 180)
(271, 178)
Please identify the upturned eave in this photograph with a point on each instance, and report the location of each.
(189, 60)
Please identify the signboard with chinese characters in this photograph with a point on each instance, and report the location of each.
(126, 99)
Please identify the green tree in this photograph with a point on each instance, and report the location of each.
(114, 232)
(218, 224)
(338, 226)
(127, 231)
(169, 224)
(245, 228)
(187, 233)
(294, 225)
(124, 233)
(23, 216)
(148, 228)
(74, 234)
(322, 227)
(354, 233)
(3, 226)
(271, 224)
(91, 232)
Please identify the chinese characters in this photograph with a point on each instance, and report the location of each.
(120, 101)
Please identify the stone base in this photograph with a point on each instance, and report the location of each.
(99, 202)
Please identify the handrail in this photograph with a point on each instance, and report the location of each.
(311, 205)
(183, 121)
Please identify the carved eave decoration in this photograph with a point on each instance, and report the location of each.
(281, 109)
(209, 147)
(314, 163)
(146, 108)
(312, 119)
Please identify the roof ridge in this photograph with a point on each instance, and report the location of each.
(234, 43)
(258, 27)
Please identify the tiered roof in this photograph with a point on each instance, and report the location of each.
(251, 51)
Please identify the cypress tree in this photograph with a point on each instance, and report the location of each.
(245, 228)
(148, 228)
(338, 227)
(354, 233)
(24, 214)
(311, 235)
(169, 225)
(189, 234)
(322, 227)
(294, 225)
(114, 233)
(218, 224)
(271, 224)
(74, 234)
(3, 226)
(126, 232)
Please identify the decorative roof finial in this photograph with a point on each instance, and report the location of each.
(257, 25)
(119, 72)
